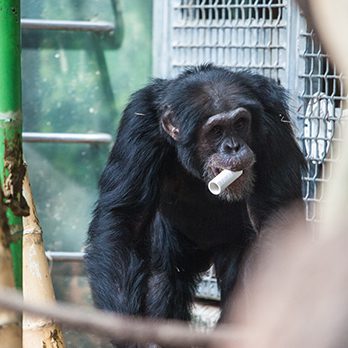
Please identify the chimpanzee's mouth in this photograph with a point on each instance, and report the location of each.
(244, 165)
(239, 188)
(217, 170)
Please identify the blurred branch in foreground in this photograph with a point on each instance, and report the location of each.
(296, 295)
(119, 328)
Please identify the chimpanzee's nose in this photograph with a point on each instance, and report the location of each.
(230, 146)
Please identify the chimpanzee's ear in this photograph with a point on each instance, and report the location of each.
(168, 126)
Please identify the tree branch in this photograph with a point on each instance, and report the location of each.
(120, 328)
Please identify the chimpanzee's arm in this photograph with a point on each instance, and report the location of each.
(118, 247)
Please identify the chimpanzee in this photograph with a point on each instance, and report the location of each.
(156, 227)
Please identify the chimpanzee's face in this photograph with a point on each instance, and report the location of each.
(212, 123)
(223, 144)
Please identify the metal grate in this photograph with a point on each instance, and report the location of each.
(233, 33)
(321, 97)
(208, 288)
(272, 38)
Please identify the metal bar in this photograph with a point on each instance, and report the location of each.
(228, 45)
(99, 138)
(50, 24)
(65, 256)
(230, 26)
(207, 289)
(250, 66)
(11, 161)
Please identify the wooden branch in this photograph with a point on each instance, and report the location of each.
(38, 332)
(120, 328)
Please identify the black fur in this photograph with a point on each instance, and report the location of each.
(156, 226)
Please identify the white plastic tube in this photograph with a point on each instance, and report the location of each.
(222, 180)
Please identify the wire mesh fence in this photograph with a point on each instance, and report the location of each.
(239, 34)
(321, 108)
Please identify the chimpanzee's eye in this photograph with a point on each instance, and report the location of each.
(216, 131)
(240, 124)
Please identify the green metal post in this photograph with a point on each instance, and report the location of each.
(11, 158)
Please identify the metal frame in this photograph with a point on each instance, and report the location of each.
(99, 27)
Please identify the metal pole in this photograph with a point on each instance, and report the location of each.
(65, 256)
(70, 138)
(11, 159)
(51, 24)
